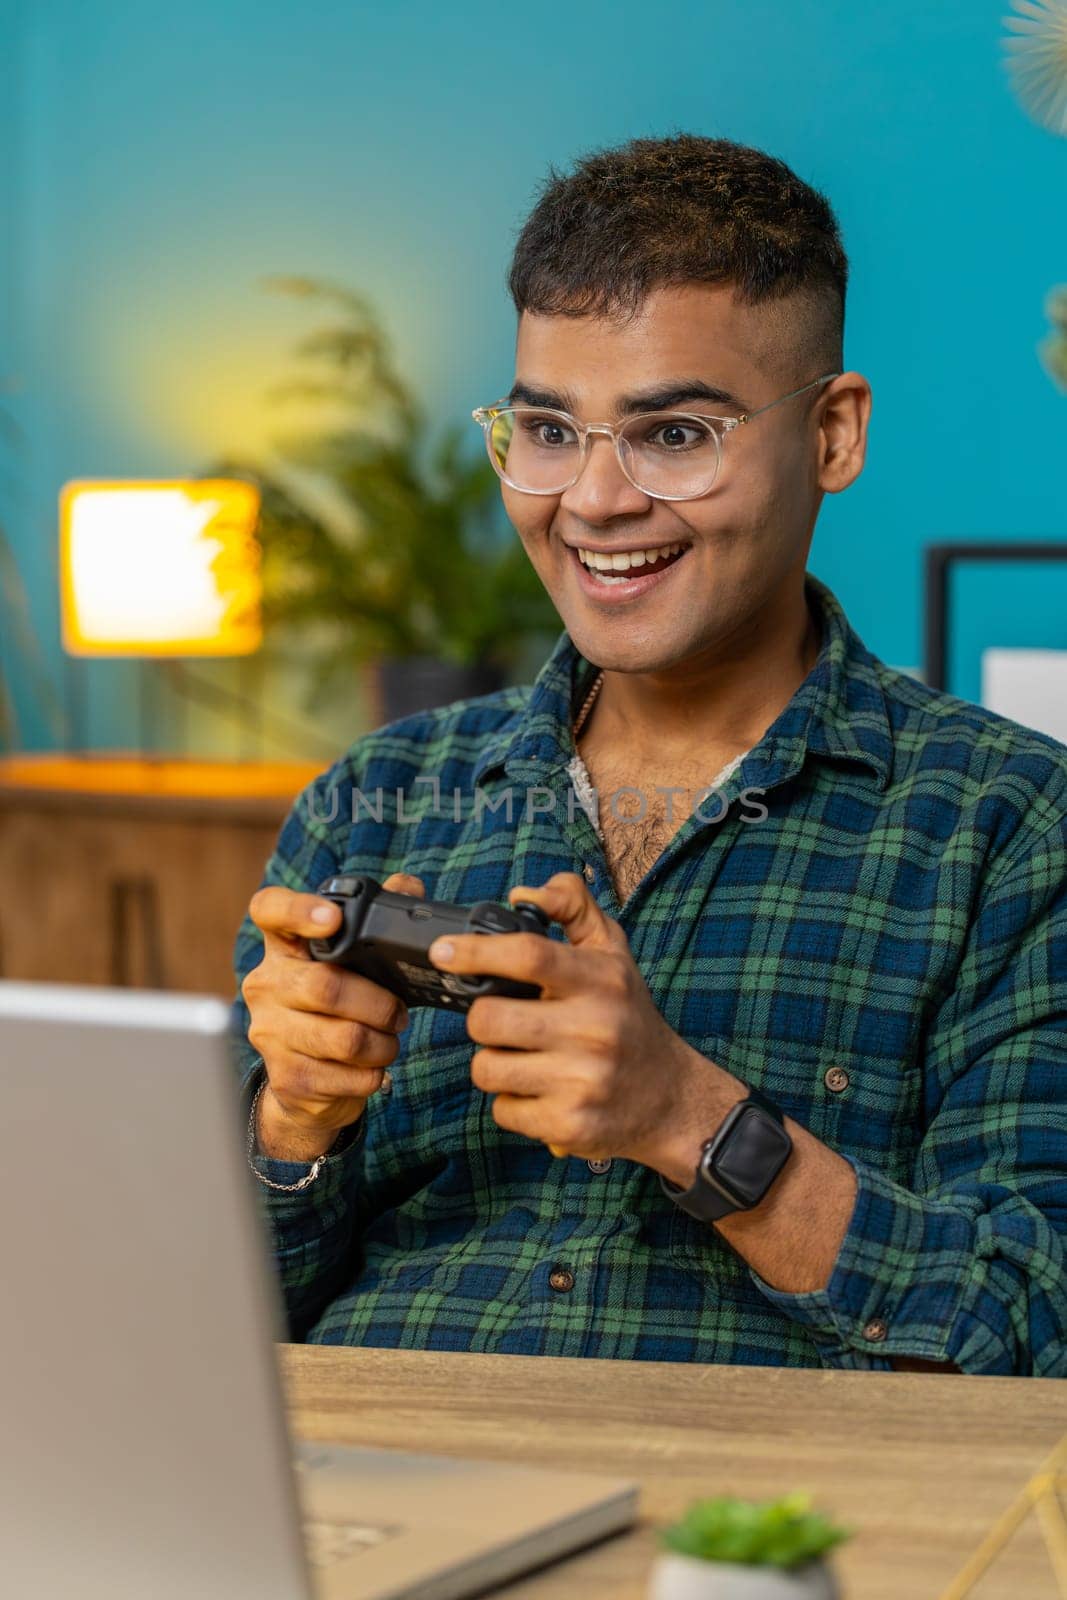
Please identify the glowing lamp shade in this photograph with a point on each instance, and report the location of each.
(159, 568)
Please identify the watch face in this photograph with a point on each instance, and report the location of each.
(748, 1156)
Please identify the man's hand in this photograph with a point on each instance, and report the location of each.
(591, 1068)
(326, 1035)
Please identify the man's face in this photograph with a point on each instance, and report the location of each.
(741, 540)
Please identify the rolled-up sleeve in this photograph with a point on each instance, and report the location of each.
(968, 1262)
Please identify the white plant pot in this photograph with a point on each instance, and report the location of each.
(678, 1577)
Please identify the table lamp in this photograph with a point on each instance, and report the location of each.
(159, 568)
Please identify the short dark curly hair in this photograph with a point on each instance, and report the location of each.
(684, 209)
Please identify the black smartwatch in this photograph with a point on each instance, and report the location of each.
(738, 1163)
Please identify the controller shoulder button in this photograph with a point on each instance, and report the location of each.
(491, 917)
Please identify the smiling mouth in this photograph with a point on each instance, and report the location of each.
(612, 567)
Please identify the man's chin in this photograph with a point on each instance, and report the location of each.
(609, 648)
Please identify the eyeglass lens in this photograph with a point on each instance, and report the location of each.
(663, 453)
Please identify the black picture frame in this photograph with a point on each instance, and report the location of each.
(939, 561)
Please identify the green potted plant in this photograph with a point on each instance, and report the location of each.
(388, 549)
(727, 1549)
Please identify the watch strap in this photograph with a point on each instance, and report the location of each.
(708, 1200)
(765, 1103)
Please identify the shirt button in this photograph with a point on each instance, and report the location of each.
(876, 1329)
(386, 1086)
(600, 1166)
(836, 1078)
(560, 1279)
(588, 872)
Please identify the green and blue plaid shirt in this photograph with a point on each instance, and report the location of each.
(884, 952)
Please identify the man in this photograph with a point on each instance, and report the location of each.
(781, 875)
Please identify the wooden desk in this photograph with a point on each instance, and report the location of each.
(919, 1465)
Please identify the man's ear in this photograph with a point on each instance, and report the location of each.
(845, 413)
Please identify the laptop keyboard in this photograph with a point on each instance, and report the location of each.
(329, 1542)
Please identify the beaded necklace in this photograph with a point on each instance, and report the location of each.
(587, 705)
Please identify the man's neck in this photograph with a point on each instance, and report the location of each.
(727, 702)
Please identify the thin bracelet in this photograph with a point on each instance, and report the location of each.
(286, 1188)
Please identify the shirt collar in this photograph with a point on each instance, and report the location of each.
(838, 712)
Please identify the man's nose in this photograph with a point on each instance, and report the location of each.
(602, 489)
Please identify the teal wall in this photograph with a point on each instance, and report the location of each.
(158, 161)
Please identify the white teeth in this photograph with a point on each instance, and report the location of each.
(623, 560)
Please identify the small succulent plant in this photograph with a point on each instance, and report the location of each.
(775, 1533)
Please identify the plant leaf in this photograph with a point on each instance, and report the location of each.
(433, 568)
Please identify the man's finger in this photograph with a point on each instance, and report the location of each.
(522, 1072)
(529, 1115)
(330, 990)
(312, 1078)
(287, 917)
(404, 883)
(518, 1024)
(356, 1044)
(566, 899)
(526, 957)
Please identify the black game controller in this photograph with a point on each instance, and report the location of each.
(385, 936)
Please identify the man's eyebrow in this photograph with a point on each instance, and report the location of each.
(664, 397)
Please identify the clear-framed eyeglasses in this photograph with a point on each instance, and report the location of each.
(670, 455)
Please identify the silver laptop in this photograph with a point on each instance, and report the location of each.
(143, 1442)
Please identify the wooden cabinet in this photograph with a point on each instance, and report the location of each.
(119, 870)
